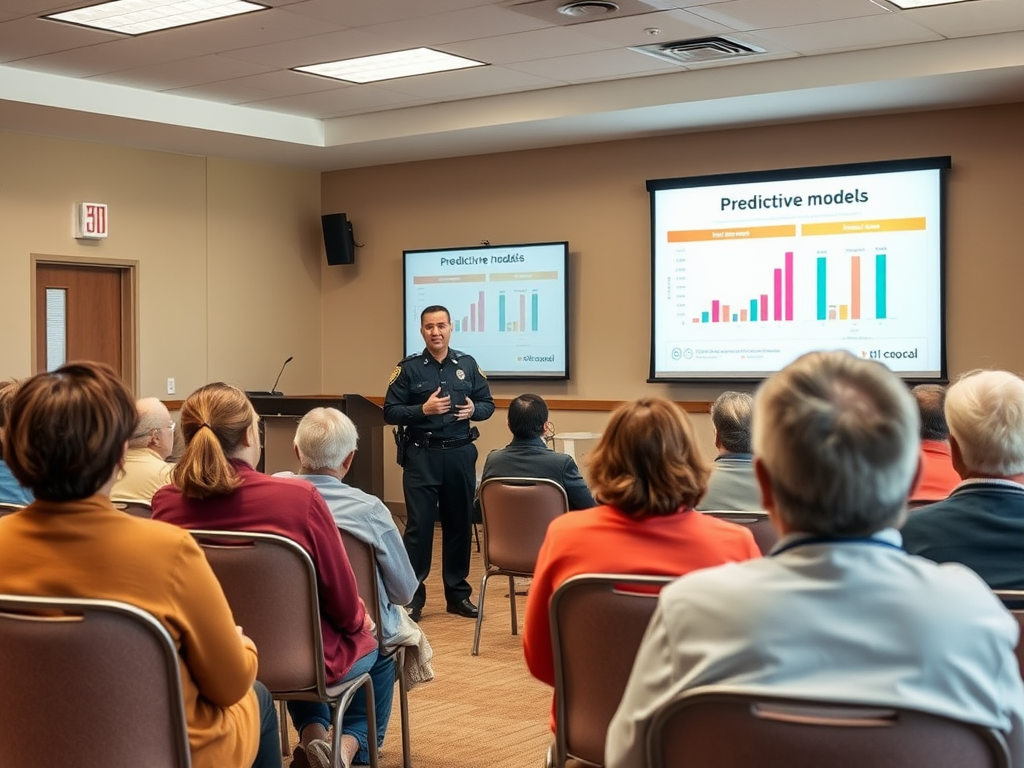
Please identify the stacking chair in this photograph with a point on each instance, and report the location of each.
(1013, 599)
(270, 584)
(597, 623)
(758, 523)
(364, 565)
(516, 513)
(6, 509)
(136, 508)
(88, 683)
(717, 728)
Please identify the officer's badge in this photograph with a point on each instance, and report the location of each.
(394, 375)
(461, 374)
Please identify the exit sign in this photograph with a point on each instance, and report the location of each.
(91, 221)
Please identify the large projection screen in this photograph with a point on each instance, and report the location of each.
(751, 270)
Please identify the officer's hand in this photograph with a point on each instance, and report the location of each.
(436, 404)
(466, 410)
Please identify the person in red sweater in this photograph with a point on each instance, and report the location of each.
(215, 486)
(647, 475)
(938, 478)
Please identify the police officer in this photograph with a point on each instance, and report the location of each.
(434, 394)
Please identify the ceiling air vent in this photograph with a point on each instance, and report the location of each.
(588, 8)
(699, 50)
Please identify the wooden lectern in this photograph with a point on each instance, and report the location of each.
(367, 471)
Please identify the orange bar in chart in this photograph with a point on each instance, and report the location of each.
(855, 287)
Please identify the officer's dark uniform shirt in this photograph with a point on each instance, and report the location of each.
(418, 376)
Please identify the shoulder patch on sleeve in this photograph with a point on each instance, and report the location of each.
(394, 375)
(480, 371)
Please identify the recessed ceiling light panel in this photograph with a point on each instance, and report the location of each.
(905, 4)
(389, 66)
(137, 17)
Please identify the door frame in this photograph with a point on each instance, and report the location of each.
(129, 271)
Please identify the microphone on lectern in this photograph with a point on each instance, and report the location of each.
(273, 389)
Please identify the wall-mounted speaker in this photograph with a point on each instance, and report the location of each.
(339, 243)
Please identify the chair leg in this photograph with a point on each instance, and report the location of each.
(282, 721)
(476, 535)
(480, 615)
(365, 682)
(512, 604)
(403, 703)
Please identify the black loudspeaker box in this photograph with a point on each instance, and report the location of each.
(339, 243)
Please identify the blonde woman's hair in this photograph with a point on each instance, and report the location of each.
(214, 421)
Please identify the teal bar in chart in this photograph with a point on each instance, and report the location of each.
(501, 311)
(880, 286)
(534, 308)
(822, 275)
(753, 310)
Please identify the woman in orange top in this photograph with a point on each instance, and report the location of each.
(648, 475)
(66, 441)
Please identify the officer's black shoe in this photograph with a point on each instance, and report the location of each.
(464, 608)
(415, 612)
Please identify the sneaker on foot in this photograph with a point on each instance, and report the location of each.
(318, 753)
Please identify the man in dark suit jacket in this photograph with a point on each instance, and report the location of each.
(981, 524)
(528, 456)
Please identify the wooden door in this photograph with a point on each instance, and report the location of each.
(82, 313)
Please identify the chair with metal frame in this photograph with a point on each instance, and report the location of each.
(757, 522)
(134, 507)
(516, 513)
(270, 584)
(90, 683)
(364, 565)
(597, 623)
(717, 727)
(7, 509)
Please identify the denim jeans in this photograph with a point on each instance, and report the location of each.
(353, 722)
(269, 753)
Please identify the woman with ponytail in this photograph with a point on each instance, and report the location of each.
(215, 486)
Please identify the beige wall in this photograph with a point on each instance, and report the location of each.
(228, 255)
(594, 196)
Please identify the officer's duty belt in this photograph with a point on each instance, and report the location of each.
(427, 440)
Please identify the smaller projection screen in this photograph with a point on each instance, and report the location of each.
(751, 270)
(508, 303)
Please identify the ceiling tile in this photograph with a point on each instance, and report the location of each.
(123, 53)
(470, 24)
(586, 67)
(975, 18)
(849, 34)
(26, 37)
(326, 104)
(468, 83)
(245, 31)
(316, 49)
(767, 14)
(180, 74)
(547, 43)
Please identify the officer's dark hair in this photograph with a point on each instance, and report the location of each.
(435, 308)
(527, 415)
(931, 402)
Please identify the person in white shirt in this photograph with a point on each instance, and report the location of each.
(838, 610)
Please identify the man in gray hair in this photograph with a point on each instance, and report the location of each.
(839, 609)
(981, 524)
(325, 442)
(732, 485)
(146, 469)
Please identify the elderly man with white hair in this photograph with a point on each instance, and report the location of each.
(838, 610)
(981, 523)
(325, 442)
(146, 469)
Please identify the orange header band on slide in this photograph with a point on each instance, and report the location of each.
(497, 277)
(731, 233)
(867, 226)
(422, 279)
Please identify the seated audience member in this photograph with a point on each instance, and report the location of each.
(216, 486)
(11, 491)
(528, 456)
(325, 443)
(732, 485)
(145, 466)
(66, 441)
(648, 474)
(839, 610)
(981, 524)
(938, 477)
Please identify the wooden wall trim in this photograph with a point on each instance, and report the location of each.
(554, 404)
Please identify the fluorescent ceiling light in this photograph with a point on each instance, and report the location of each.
(136, 17)
(388, 66)
(905, 4)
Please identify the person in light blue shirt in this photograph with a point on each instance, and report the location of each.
(325, 442)
(11, 492)
(732, 485)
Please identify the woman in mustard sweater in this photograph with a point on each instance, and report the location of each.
(66, 440)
